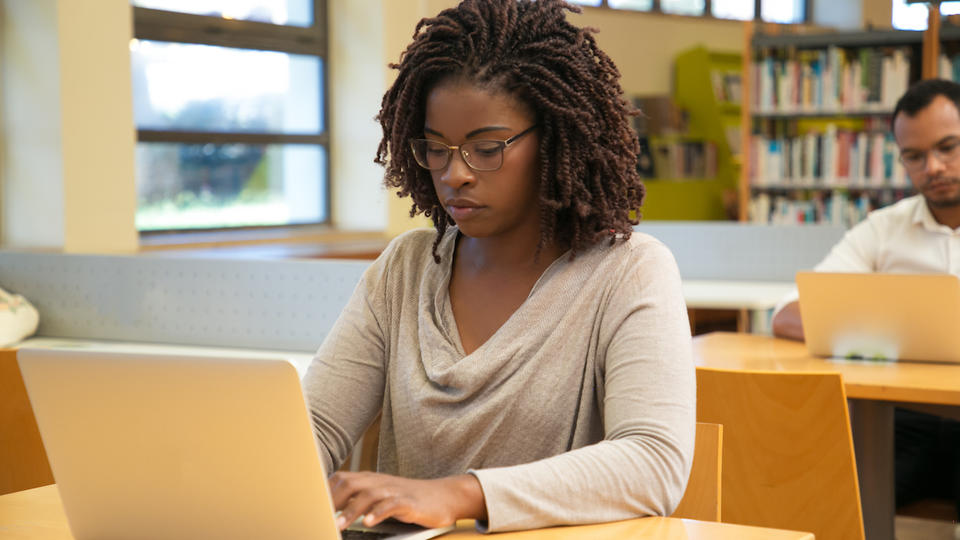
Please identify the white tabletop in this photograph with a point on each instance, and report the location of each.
(756, 295)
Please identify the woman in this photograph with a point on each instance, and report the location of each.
(531, 357)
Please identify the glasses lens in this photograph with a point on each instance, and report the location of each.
(913, 162)
(483, 155)
(948, 152)
(430, 154)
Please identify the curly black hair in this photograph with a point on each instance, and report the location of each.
(589, 186)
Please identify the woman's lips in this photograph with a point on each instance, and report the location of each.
(462, 208)
(463, 212)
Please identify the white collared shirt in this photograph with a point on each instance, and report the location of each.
(900, 238)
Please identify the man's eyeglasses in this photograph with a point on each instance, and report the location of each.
(945, 152)
(480, 155)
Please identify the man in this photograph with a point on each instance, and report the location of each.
(920, 234)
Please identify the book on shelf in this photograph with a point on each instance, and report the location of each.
(949, 67)
(659, 115)
(645, 159)
(830, 80)
(665, 152)
(835, 207)
(726, 86)
(684, 159)
(835, 156)
(731, 133)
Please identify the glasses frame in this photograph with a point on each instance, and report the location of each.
(942, 157)
(503, 145)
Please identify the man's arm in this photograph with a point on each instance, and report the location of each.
(856, 252)
(787, 324)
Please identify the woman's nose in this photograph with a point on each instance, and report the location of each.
(457, 173)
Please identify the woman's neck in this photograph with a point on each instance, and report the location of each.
(500, 254)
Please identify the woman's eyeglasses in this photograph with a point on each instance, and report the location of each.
(480, 155)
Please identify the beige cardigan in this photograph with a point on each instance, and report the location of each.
(579, 409)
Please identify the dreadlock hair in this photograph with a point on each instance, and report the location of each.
(589, 184)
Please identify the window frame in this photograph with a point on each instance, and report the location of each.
(708, 10)
(176, 27)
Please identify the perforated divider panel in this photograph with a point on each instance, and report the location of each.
(278, 305)
(743, 251)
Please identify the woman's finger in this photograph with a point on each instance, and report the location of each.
(343, 486)
(359, 504)
(383, 509)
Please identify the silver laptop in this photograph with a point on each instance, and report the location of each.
(162, 447)
(881, 316)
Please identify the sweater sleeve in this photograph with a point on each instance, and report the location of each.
(344, 384)
(649, 414)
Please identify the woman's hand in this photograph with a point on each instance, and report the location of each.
(430, 503)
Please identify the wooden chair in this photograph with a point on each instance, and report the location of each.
(23, 461)
(701, 500)
(788, 458)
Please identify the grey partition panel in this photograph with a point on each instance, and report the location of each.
(282, 305)
(743, 251)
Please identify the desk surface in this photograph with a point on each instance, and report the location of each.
(910, 382)
(36, 514)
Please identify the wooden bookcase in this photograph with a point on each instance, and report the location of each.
(707, 86)
(815, 127)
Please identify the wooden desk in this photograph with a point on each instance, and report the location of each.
(873, 389)
(36, 514)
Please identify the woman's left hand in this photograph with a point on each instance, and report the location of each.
(430, 503)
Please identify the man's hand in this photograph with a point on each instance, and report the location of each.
(787, 322)
(430, 503)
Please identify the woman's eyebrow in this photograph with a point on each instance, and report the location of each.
(471, 134)
(485, 129)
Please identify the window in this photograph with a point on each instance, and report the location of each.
(743, 10)
(639, 5)
(914, 16)
(229, 105)
(781, 11)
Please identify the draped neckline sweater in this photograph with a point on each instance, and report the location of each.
(580, 408)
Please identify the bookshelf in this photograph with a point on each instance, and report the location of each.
(948, 65)
(707, 86)
(816, 136)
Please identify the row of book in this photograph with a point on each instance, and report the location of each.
(677, 159)
(835, 157)
(831, 80)
(950, 67)
(727, 86)
(834, 207)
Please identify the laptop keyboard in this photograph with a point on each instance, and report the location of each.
(351, 534)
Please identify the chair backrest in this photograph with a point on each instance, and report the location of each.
(23, 461)
(788, 458)
(701, 500)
